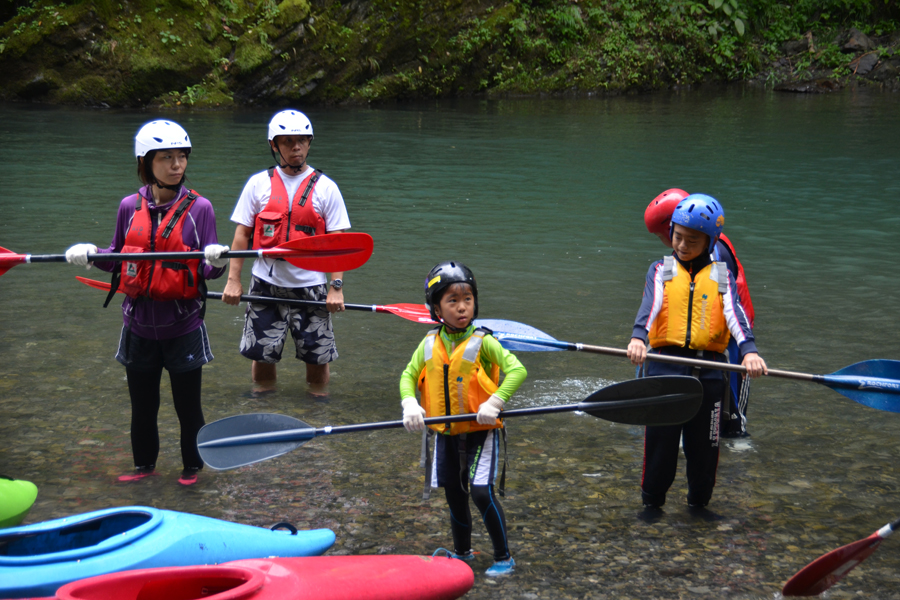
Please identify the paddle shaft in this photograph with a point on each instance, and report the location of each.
(296, 302)
(889, 529)
(306, 433)
(677, 360)
(411, 312)
(191, 255)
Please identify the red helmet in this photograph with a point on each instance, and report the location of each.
(659, 211)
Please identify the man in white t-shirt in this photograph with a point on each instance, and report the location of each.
(304, 202)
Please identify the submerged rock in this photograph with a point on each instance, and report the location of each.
(812, 86)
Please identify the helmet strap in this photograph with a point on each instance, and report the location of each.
(174, 187)
(450, 328)
(284, 164)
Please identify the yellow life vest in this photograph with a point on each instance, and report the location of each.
(698, 302)
(457, 384)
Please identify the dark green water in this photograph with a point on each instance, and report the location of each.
(544, 201)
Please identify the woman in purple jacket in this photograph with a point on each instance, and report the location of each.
(164, 308)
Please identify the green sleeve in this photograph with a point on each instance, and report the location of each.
(410, 376)
(515, 373)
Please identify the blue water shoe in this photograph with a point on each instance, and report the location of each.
(501, 567)
(466, 556)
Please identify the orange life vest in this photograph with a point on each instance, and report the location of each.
(160, 279)
(692, 313)
(741, 281)
(457, 384)
(283, 219)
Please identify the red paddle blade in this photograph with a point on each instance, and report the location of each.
(9, 259)
(100, 285)
(330, 253)
(825, 571)
(416, 313)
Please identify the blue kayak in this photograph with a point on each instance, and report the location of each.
(38, 559)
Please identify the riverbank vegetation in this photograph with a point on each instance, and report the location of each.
(219, 53)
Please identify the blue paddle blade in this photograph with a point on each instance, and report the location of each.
(502, 329)
(873, 383)
(277, 435)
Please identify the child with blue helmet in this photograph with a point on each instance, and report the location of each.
(690, 308)
(658, 219)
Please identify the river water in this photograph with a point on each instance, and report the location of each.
(544, 200)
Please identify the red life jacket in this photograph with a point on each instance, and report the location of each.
(283, 219)
(160, 279)
(741, 280)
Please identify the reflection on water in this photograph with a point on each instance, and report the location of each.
(543, 200)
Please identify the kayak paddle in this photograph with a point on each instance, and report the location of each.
(246, 439)
(825, 571)
(873, 383)
(330, 253)
(417, 313)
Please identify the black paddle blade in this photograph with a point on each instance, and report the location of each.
(228, 443)
(667, 400)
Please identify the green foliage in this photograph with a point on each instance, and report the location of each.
(330, 50)
(719, 17)
(211, 92)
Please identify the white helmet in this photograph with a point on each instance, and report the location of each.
(157, 135)
(290, 122)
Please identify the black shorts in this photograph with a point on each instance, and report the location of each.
(482, 450)
(178, 355)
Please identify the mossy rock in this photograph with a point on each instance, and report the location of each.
(291, 12)
(210, 93)
(47, 81)
(91, 90)
(250, 53)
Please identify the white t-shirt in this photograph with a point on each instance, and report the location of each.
(327, 202)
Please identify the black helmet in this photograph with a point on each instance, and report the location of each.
(442, 276)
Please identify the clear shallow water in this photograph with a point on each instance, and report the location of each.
(544, 200)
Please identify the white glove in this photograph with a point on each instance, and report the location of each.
(77, 254)
(489, 409)
(413, 415)
(213, 254)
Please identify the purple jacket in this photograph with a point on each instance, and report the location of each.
(169, 319)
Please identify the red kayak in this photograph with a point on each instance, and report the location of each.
(384, 577)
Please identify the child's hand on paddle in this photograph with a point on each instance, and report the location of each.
(637, 351)
(755, 365)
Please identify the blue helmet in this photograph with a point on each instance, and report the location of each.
(700, 212)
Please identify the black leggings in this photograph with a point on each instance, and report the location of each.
(144, 389)
(491, 514)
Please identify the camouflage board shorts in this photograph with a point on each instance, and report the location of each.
(266, 325)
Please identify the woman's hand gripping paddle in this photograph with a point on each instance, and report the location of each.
(873, 383)
(246, 439)
(825, 571)
(329, 253)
